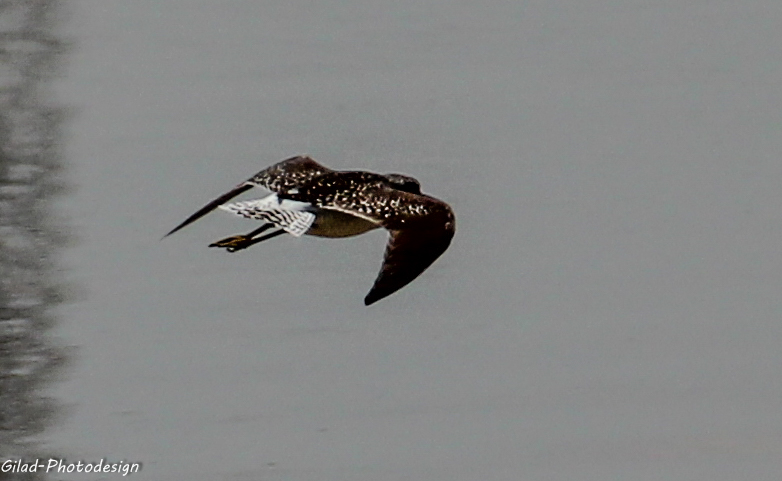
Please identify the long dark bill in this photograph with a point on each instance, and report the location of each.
(212, 206)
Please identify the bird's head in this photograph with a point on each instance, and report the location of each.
(404, 183)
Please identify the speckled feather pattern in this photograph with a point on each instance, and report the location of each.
(371, 196)
(421, 227)
(288, 174)
(280, 177)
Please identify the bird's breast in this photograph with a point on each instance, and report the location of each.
(329, 223)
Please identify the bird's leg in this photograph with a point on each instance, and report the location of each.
(237, 242)
(253, 241)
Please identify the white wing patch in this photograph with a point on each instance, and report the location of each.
(293, 217)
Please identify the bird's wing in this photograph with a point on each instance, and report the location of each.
(288, 174)
(408, 254)
(421, 227)
(291, 216)
(280, 177)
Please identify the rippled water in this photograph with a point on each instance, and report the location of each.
(31, 168)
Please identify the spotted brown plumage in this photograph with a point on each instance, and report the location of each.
(288, 174)
(280, 177)
(421, 227)
(345, 204)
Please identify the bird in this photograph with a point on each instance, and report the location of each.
(310, 199)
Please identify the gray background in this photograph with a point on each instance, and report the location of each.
(609, 308)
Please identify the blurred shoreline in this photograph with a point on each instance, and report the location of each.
(31, 164)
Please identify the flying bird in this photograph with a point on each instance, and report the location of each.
(310, 199)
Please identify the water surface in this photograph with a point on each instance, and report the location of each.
(609, 307)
